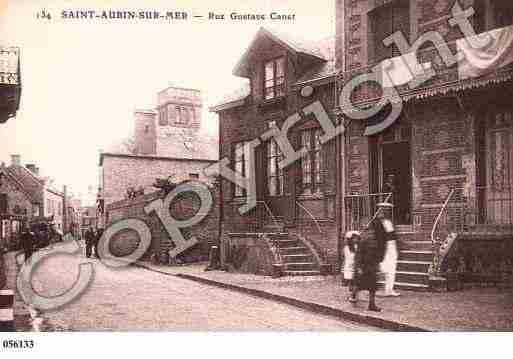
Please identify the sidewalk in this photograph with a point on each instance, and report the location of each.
(479, 309)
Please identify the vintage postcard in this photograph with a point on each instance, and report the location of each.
(262, 166)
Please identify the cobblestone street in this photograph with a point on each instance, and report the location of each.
(137, 299)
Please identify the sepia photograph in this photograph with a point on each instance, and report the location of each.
(285, 171)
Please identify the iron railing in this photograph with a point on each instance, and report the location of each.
(305, 225)
(260, 217)
(484, 209)
(361, 209)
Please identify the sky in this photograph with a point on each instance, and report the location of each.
(82, 79)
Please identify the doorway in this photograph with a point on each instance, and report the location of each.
(396, 178)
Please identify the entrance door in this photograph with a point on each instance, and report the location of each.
(499, 191)
(396, 161)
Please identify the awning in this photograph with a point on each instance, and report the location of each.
(481, 61)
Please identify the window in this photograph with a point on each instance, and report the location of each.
(386, 20)
(312, 164)
(240, 166)
(163, 121)
(170, 113)
(503, 13)
(492, 14)
(274, 83)
(182, 117)
(193, 175)
(275, 178)
(146, 128)
(3, 202)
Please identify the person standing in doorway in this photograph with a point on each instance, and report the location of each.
(387, 246)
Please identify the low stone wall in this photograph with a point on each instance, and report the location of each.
(248, 253)
(183, 206)
(481, 258)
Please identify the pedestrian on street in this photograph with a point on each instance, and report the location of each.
(99, 233)
(367, 260)
(387, 246)
(351, 240)
(27, 242)
(89, 241)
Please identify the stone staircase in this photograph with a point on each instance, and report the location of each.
(297, 258)
(415, 257)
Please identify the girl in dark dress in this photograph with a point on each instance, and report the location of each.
(367, 265)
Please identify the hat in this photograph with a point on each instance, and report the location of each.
(350, 234)
(385, 205)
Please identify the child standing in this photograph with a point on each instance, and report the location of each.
(350, 246)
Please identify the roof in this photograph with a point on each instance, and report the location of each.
(326, 47)
(291, 43)
(148, 157)
(17, 183)
(31, 183)
(323, 67)
(176, 146)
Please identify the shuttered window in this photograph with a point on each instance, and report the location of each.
(385, 21)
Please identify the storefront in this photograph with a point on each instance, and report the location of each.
(10, 229)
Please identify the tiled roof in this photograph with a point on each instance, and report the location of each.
(198, 146)
(238, 95)
(326, 48)
(20, 186)
(30, 182)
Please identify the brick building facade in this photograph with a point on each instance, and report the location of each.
(449, 151)
(167, 142)
(299, 202)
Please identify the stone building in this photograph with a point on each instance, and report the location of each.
(17, 207)
(167, 142)
(450, 150)
(295, 223)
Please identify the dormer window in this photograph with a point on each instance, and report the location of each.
(274, 83)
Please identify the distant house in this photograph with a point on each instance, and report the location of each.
(17, 206)
(49, 201)
(167, 143)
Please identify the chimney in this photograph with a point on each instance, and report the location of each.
(15, 160)
(32, 168)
